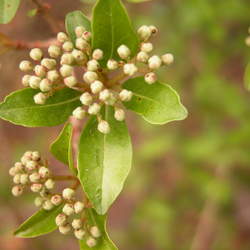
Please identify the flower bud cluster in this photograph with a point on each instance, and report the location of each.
(248, 38)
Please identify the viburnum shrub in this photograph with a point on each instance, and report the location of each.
(95, 72)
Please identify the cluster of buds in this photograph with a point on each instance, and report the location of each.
(98, 88)
(248, 38)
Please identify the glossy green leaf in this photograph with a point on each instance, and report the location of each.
(104, 242)
(111, 28)
(74, 19)
(104, 161)
(157, 103)
(40, 223)
(8, 9)
(247, 77)
(61, 148)
(19, 108)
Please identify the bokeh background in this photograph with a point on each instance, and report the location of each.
(190, 183)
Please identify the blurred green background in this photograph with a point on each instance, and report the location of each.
(190, 183)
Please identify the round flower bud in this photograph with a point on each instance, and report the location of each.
(36, 54)
(150, 78)
(70, 81)
(38, 201)
(119, 114)
(86, 98)
(49, 184)
(144, 32)
(40, 98)
(91, 242)
(44, 172)
(35, 177)
(111, 100)
(92, 65)
(25, 66)
(96, 87)
(56, 199)
(79, 56)
(79, 113)
(62, 37)
(64, 229)
(123, 51)
(35, 156)
(79, 30)
(16, 178)
(78, 207)
(31, 165)
(142, 57)
(61, 219)
(125, 95)
(68, 209)
(40, 71)
(130, 69)
(47, 205)
(45, 85)
(112, 64)
(66, 70)
(17, 190)
(154, 62)
(90, 77)
(24, 179)
(103, 127)
(168, 58)
(53, 75)
(36, 187)
(86, 35)
(68, 46)
(34, 82)
(147, 47)
(68, 193)
(97, 54)
(79, 234)
(54, 51)
(104, 95)
(19, 166)
(25, 159)
(67, 58)
(44, 193)
(81, 44)
(77, 223)
(12, 171)
(94, 109)
(95, 232)
(26, 80)
(48, 63)
(153, 29)
(28, 154)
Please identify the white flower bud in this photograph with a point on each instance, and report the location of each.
(61, 219)
(17, 190)
(68, 46)
(79, 234)
(112, 64)
(68, 193)
(45, 85)
(86, 98)
(70, 81)
(25, 159)
(64, 229)
(34, 177)
(53, 75)
(48, 63)
(97, 54)
(92, 65)
(35, 156)
(66, 70)
(26, 80)
(24, 179)
(142, 57)
(49, 184)
(150, 78)
(79, 56)
(90, 77)
(40, 98)
(95, 231)
(130, 69)
(147, 47)
(12, 171)
(104, 95)
(67, 58)
(56, 199)
(153, 29)
(19, 167)
(168, 58)
(45, 193)
(54, 51)
(111, 100)
(36, 187)
(144, 32)
(154, 62)
(86, 35)
(91, 242)
(25, 66)
(79, 113)
(79, 30)
(28, 154)
(81, 44)
(34, 82)
(68, 209)
(31, 165)
(123, 51)
(78, 207)
(47, 205)
(16, 178)
(44, 172)
(62, 37)
(40, 71)
(119, 114)
(96, 87)
(38, 201)
(125, 95)
(77, 223)
(103, 127)
(94, 109)
(36, 54)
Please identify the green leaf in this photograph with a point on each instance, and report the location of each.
(42, 222)
(61, 148)
(247, 77)
(104, 161)
(19, 108)
(104, 242)
(157, 103)
(8, 9)
(74, 19)
(111, 28)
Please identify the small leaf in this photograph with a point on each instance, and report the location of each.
(104, 161)
(157, 103)
(111, 28)
(19, 108)
(104, 242)
(74, 19)
(247, 77)
(61, 148)
(8, 9)
(40, 223)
